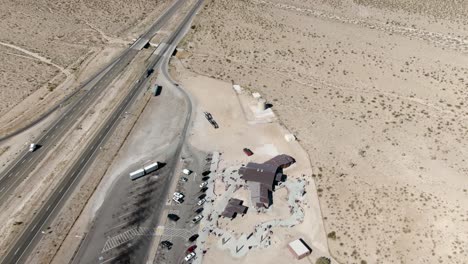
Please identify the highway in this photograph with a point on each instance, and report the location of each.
(131, 210)
(19, 170)
(91, 82)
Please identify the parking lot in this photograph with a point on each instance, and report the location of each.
(179, 232)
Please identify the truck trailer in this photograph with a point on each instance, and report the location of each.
(137, 174)
(152, 167)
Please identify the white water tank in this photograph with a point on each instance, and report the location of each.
(261, 105)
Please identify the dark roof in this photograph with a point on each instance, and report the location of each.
(263, 173)
(261, 177)
(282, 161)
(234, 201)
(234, 207)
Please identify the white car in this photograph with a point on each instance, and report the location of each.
(202, 201)
(186, 171)
(197, 218)
(32, 147)
(189, 256)
(203, 184)
(178, 195)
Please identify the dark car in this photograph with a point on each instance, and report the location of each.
(248, 152)
(166, 244)
(173, 217)
(149, 72)
(204, 189)
(199, 210)
(183, 179)
(193, 238)
(206, 173)
(201, 196)
(191, 249)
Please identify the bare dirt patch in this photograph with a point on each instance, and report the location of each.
(377, 98)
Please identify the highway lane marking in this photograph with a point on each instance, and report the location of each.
(47, 137)
(119, 225)
(17, 250)
(82, 160)
(108, 260)
(48, 207)
(34, 227)
(128, 213)
(2, 189)
(22, 161)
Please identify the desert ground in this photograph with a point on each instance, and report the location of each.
(46, 47)
(376, 92)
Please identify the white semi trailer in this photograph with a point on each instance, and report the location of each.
(137, 174)
(152, 167)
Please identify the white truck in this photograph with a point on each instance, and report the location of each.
(152, 167)
(137, 174)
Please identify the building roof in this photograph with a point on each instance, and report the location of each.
(261, 178)
(260, 194)
(282, 161)
(263, 173)
(299, 247)
(234, 207)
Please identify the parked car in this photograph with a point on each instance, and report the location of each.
(202, 201)
(203, 184)
(190, 256)
(248, 152)
(177, 200)
(197, 218)
(192, 248)
(199, 210)
(173, 217)
(166, 244)
(183, 179)
(193, 238)
(178, 195)
(203, 189)
(186, 171)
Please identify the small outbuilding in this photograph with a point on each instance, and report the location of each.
(299, 248)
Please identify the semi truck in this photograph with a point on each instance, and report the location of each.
(152, 167)
(137, 174)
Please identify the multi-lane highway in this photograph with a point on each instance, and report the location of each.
(19, 170)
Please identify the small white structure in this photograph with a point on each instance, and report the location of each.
(299, 249)
(261, 104)
(289, 137)
(256, 95)
(237, 88)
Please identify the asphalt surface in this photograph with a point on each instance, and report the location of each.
(19, 170)
(178, 232)
(124, 227)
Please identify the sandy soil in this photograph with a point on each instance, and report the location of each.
(43, 42)
(376, 92)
